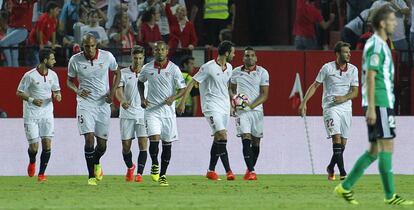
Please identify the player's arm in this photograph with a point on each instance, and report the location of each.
(141, 90)
(371, 114)
(309, 93)
(232, 90)
(70, 83)
(57, 95)
(179, 94)
(120, 96)
(264, 94)
(187, 90)
(115, 84)
(351, 95)
(25, 97)
(194, 103)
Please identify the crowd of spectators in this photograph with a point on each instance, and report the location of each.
(29, 25)
(355, 17)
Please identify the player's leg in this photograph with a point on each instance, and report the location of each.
(44, 157)
(127, 127)
(341, 162)
(32, 134)
(255, 149)
(46, 131)
(256, 123)
(243, 126)
(169, 133)
(100, 150)
(86, 127)
(154, 131)
(221, 141)
(102, 117)
(336, 156)
(386, 148)
(142, 157)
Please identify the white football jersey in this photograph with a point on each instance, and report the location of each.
(163, 81)
(248, 83)
(129, 81)
(38, 86)
(214, 83)
(337, 83)
(93, 76)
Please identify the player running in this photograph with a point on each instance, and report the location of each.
(90, 67)
(131, 115)
(37, 89)
(253, 81)
(213, 80)
(340, 86)
(164, 78)
(378, 102)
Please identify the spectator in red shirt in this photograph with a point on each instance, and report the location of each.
(307, 15)
(43, 32)
(149, 32)
(122, 37)
(20, 23)
(183, 37)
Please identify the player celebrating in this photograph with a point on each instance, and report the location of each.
(213, 79)
(132, 114)
(164, 78)
(378, 101)
(340, 86)
(36, 89)
(94, 96)
(252, 81)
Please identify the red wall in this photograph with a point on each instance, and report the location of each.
(282, 67)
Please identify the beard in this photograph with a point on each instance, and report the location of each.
(49, 66)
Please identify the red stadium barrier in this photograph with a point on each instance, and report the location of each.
(282, 67)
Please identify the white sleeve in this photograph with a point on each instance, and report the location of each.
(113, 65)
(321, 75)
(143, 75)
(264, 81)
(122, 80)
(201, 75)
(355, 81)
(179, 79)
(55, 85)
(72, 68)
(24, 83)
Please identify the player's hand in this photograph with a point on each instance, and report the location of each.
(125, 105)
(38, 102)
(83, 93)
(108, 98)
(339, 99)
(302, 109)
(191, 47)
(371, 116)
(58, 97)
(180, 109)
(170, 100)
(144, 103)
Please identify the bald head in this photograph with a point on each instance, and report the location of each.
(89, 45)
(160, 51)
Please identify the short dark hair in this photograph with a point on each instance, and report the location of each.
(45, 54)
(249, 48)
(225, 46)
(50, 6)
(339, 45)
(147, 15)
(186, 59)
(137, 49)
(379, 15)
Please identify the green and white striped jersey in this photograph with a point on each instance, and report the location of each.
(377, 57)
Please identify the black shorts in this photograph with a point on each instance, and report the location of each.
(384, 128)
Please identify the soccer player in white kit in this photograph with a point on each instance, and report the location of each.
(37, 89)
(253, 81)
(131, 114)
(340, 86)
(91, 68)
(164, 79)
(213, 79)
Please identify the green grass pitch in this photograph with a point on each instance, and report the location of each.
(194, 192)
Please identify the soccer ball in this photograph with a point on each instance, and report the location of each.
(239, 101)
